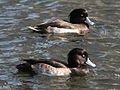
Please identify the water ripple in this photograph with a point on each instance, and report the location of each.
(17, 42)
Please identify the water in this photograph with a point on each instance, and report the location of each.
(17, 42)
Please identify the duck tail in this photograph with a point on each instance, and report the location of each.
(25, 67)
(33, 28)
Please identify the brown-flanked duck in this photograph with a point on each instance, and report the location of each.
(78, 23)
(78, 61)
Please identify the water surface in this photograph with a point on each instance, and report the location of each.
(17, 42)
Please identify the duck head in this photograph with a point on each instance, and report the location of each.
(78, 16)
(78, 57)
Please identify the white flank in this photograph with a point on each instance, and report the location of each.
(63, 30)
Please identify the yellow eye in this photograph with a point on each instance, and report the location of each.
(83, 56)
(82, 15)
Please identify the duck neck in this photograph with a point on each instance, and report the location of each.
(83, 66)
(72, 63)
